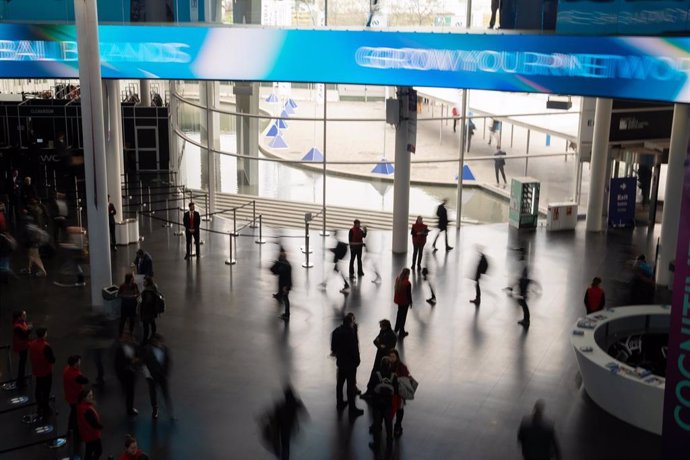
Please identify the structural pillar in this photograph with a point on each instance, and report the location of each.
(113, 146)
(599, 165)
(94, 147)
(209, 95)
(247, 101)
(176, 157)
(461, 163)
(674, 192)
(145, 90)
(401, 191)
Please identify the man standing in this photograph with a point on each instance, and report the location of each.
(482, 267)
(499, 163)
(156, 358)
(73, 384)
(442, 214)
(42, 360)
(345, 348)
(111, 223)
(191, 221)
(144, 263)
(419, 232)
(21, 330)
(283, 270)
(537, 436)
(470, 132)
(356, 239)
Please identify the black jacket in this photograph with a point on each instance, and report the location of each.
(149, 300)
(197, 220)
(442, 215)
(345, 347)
(283, 269)
(537, 438)
(159, 370)
(387, 338)
(144, 264)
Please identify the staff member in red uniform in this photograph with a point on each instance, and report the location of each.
(21, 330)
(132, 451)
(89, 423)
(403, 299)
(356, 238)
(42, 360)
(419, 232)
(73, 383)
(594, 297)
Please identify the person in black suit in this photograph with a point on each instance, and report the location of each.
(191, 222)
(144, 263)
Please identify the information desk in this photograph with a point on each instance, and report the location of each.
(621, 390)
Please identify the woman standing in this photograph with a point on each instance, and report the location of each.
(128, 293)
(419, 232)
(21, 330)
(399, 369)
(148, 310)
(403, 299)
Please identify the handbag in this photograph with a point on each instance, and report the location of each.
(407, 386)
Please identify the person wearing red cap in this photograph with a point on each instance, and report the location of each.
(73, 384)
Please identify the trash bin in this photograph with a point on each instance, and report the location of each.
(111, 302)
(121, 233)
(133, 230)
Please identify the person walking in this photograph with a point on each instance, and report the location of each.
(470, 132)
(42, 359)
(112, 212)
(495, 131)
(283, 270)
(191, 221)
(345, 348)
(442, 215)
(384, 343)
(495, 6)
(537, 436)
(499, 163)
(403, 299)
(73, 384)
(157, 364)
(482, 267)
(356, 239)
(34, 238)
(126, 363)
(132, 451)
(339, 253)
(128, 293)
(456, 116)
(148, 308)
(399, 369)
(143, 263)
(419, 233)
(21, 331)
(89, 424)
(595, 300)
(522, 295)
(382, 402)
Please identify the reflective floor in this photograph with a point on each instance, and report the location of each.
(479, 372)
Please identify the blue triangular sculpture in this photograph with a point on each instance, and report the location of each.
(313, 154)
(291, 103)
(284, 114)
(383, 167)
(273, 131)
(272, 98)
(466, 174)
(278, 143)
(281, 124)
(288, 109)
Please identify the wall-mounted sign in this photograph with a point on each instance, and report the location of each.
(652, 68)
(622, 202)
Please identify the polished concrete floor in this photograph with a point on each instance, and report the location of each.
(479, 372)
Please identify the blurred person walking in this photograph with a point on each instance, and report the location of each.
(126, 365)
(283, 270)
(537, 436)
(482, 268)
(499, 164)
(157, 363)
(442, 215)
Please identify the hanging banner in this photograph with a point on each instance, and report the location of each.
(622, 202)
(655, 68)
(676, 426)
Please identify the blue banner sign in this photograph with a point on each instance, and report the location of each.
(622, 202)
(653, 68)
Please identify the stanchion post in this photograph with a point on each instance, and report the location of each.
(261, 233)
(184, 200)
(254, 224)
(181, 231)
(206, 217)
(306, 264)
(167, 223)
(76, 191)
(231, 259)
(141, 195)
(234, 220)
(150, 207)
(54, 180)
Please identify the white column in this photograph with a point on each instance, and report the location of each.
(463, 143)
(174, 142)
(113, 145)
(210, 133)
(674, 192)
(145, 90)
(94, 147)
(401, 191)
(600, 155)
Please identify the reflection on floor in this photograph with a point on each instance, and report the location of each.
(479, 372)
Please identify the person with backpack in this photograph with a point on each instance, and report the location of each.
(442, 215)
(594, 297)
(403, 299)
(482, 267)
(399, 370)
(382, 403)
(149, 308)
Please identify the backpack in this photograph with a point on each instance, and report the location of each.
(407, 386)
(339, 251)
(385, 385)
(160, 303)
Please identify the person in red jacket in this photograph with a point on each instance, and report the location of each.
(419, 232)
(89, 425)
(403, 299)
(42, 360)
(132, 451)
(594, 297)
(21, 330)
(356, 239)
(73, 383)
(398, 407)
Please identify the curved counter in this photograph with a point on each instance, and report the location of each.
(627, 393)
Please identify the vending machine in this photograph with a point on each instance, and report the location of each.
(524, 202)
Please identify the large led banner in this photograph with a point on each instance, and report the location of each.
(652, 68)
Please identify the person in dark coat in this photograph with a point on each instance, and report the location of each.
(403, 299)
(345, 348)
(482, 267)
(595, 300)
(126, 364)
(21, 331)
(112, 212)
(384, 343)
(385, 387)
(537, 436)
(442, 215)
(144, 263)
(191, 221)
(128, 294)
(283, 270)
(148, 309)
(499, 164)
(157, 364)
